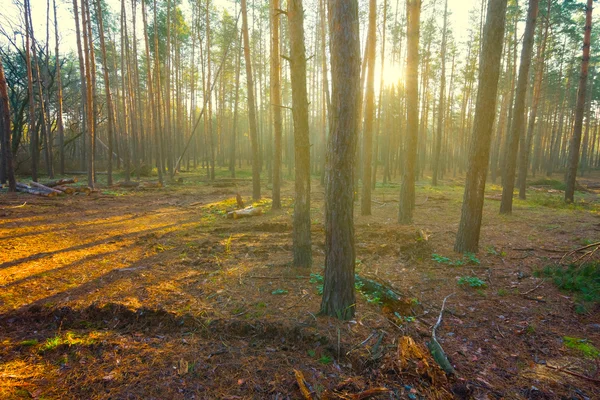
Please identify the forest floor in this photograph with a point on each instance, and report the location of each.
(155, 294)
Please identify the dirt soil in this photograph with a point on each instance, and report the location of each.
(155, 294)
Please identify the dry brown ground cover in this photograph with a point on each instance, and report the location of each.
(154, 294)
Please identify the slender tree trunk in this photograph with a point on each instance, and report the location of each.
(575, 143)
(537, 88)
(407, 190)
(33, 137)
(440, 123)
(518, 121)
(338, 288)
(365, 201)
(301, 235)
(235, 116)
(467, 238)
(385, 150)
(124, 90)
(109, 105)
(5, 131)
(59, 101)
(251, 107)
(276, 103)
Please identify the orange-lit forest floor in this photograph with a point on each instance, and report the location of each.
(155, 294)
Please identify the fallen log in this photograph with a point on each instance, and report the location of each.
(65, 189)
(60, 182)
(26, 189)
(83, 189)
(129, 184)
(245, 212)
(45, 188)
(151, 185)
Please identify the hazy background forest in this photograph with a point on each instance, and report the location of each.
(317, 199)
(199, 62)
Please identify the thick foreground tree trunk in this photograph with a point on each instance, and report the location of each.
(338, 289)
(467, 238)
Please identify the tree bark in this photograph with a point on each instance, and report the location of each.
(33, 137)
(467, 238)
(407, 190)
(365, 200)
(276, 103)
(338, 288)
(575, 144)
(440, 122)
(251, 106)
(518, 120)
(5, 130)
(109, 104)
(301, 233)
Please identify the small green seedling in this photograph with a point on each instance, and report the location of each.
(471, 281)
(279, 291)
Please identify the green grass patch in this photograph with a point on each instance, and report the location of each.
(29, 342)
(583, 281)
(551, 183)
(582, 345)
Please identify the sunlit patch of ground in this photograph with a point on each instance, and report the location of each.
(155, 293)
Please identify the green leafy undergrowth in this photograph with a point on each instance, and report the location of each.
(471, 281)
(552, 183)
(582, 345)
(582, 280)
(467, 259)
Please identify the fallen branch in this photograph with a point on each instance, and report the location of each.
(302, 385)
(567, 371)
(436, 349)
(587, 255)
(529, 291)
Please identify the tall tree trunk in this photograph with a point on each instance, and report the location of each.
(251, 106)
(301, 235)
(157, 105)
(518, 120)
(152, 111)
(109, 104)
(440, 123)
(575, 143)
(407, 190)
(467, 238)
(33, 137)
(537, 88)
(233, 144)
(365, 200)
(385, 150)
(59, 101)
(89, 54)
(276, 103)
(338, 288)
(209, 132)
(43, 115)
(124, 89)
(5, 132)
